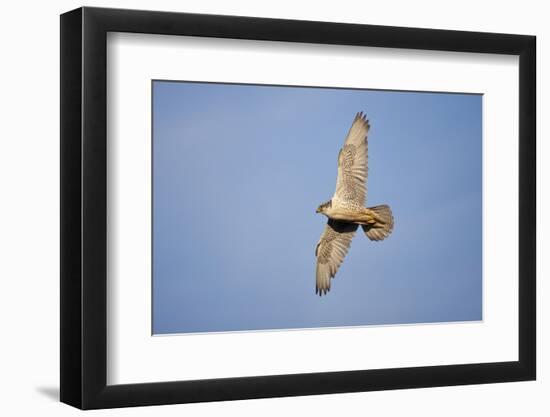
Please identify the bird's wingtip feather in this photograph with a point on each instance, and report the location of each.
(363, 117)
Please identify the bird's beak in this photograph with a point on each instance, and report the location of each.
(318, 210)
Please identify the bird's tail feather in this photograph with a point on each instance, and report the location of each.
(383, 225)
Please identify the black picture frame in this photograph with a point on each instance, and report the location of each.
(84, 207)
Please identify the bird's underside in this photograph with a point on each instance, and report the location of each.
(346, 210)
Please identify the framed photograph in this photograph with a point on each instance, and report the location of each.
(256, 208)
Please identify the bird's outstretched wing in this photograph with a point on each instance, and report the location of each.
(331, 250)
(351, 184)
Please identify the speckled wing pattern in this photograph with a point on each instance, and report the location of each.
(351, 184)
(331, 250)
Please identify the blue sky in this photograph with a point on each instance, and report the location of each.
(238, 171)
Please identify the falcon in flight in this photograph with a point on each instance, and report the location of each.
(346, 210)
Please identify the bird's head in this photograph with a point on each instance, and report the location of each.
(323, 207)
